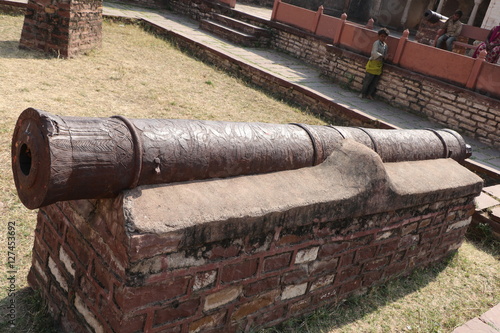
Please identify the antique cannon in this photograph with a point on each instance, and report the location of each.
(434, 17)
(58, 158)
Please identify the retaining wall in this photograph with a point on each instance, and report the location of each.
(235, 254)
(468, 112)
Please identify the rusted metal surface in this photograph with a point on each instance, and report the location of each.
(58, 158)
(434, 17)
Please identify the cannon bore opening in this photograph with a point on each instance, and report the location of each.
(25, 159)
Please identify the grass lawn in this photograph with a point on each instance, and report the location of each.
(137, 75)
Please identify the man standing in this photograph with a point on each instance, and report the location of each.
(452, 29)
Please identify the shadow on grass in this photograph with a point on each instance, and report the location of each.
(10, 49)
(25, 312)
(481, 236)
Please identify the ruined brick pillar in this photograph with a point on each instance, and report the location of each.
(65, 28)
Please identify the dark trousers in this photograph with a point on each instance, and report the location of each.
(369, 84)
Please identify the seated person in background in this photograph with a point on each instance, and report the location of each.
(491, 45)
(452, 29)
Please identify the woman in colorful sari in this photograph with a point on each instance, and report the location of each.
(491, 45)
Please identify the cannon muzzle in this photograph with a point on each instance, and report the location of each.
(57, 158)
(434, 17)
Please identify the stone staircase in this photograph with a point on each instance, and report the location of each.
(236, 31)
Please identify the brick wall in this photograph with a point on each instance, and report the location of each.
(63, 28)
(468, 112)
(234, 254)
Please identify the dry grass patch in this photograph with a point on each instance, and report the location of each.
(139, 76)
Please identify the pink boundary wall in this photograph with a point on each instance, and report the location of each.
(459, 69)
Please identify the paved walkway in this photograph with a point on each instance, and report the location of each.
(293, 70)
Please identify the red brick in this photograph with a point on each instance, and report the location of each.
(129, 298)
(51, 239)
(175, 328)
(255, 305)
(82, 252)
(408, 241)
(208, 322)
(346, 259)
(102, 275)
(423, 224)
(84, 208)
(292, 239)
(239, 271)
(324, 295)
(430, 234)
(346, 274)
(149, 245)
(34, 280)
(370, 278)
(135, 324)
(88, 288)
(349, 287)
(56, 218)
(398, 256)
(261, 286)
(332, 249)
(277, 262)
(407, 229)
(361, 239)
(389, 247)
(419, 251)
(365, 253)
(299, 305)
(294, 277)
(41, 250)
(323, 266)
(219, 252)
(395, 269)
(175, 311)
(323, 232)
(376, 263)
(454, 236)
(267, 317)
(114, 317)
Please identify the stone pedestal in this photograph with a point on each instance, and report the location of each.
(235, 254)
(64, 28)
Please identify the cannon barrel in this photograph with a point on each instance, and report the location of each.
(57, 158)
(434, 17)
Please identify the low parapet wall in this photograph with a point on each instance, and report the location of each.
(238, 253)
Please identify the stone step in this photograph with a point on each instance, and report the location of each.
(488, 209)
(241, 26)
(227, 33)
